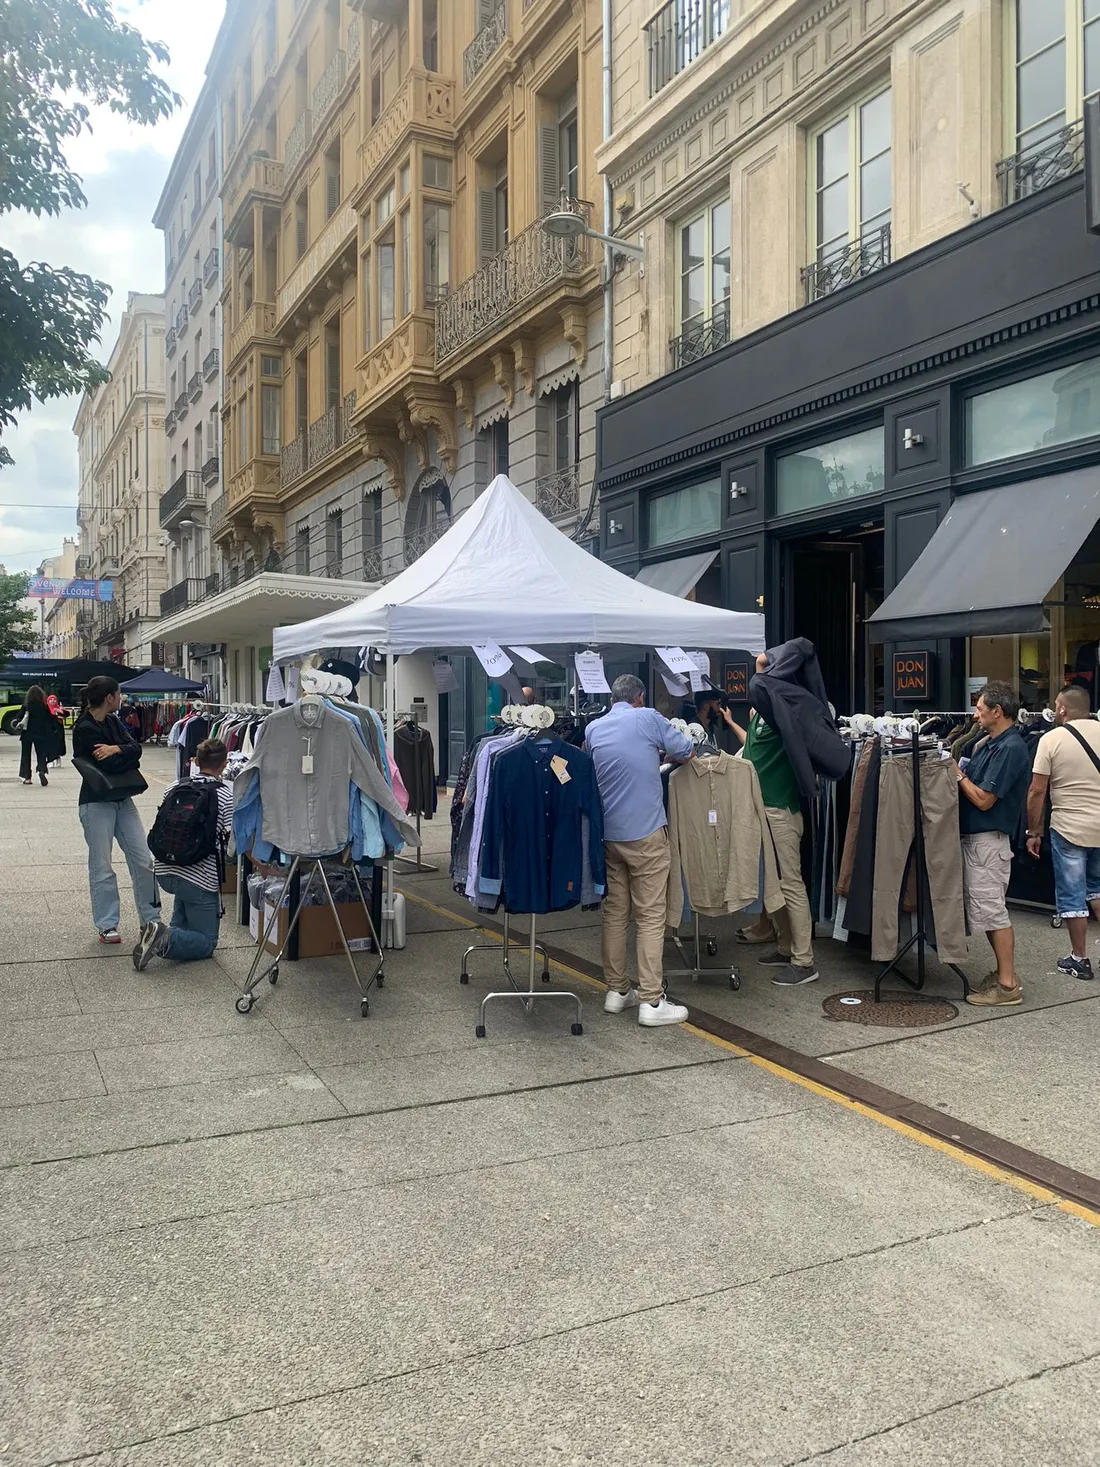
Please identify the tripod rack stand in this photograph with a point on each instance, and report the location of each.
(695, 970)
(526, 996)
(413, 866)
(509, 946)
(919, 938)
(255, 977)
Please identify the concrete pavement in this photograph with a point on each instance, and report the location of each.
(303, 1237)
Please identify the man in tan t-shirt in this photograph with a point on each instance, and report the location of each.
(1064, 766)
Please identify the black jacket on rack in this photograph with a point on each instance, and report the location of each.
(414, 755)
(790, 695)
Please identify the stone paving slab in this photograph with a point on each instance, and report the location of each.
(73, 1033)
(49, 1077)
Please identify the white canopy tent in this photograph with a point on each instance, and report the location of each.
(503, 573)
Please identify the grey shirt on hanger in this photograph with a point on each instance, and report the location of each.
(306, 814)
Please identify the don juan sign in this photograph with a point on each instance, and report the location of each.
(912, 676)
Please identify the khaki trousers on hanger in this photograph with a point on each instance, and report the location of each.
(939, 796)
(637, 879)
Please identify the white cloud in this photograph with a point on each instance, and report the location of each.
(123, 168)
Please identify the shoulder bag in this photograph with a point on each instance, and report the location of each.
(106, 786)
(1069, 728)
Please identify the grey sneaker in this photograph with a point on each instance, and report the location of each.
(1076, 967)
(793, 976)
(151, 944)
(774, 960)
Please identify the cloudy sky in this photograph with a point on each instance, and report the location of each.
(113, 239)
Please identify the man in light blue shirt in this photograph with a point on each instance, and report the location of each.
(626, 747)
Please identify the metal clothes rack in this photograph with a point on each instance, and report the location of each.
(413, 867)
(495, 947)
(919, 938)
(255, 976)
(695, 969)
(526, 996)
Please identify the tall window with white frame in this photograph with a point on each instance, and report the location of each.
(852, 196)
(334, 544)
(371, 520)
(437, 174)
(1056, 68)
(703, 302)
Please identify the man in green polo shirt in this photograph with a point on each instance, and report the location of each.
(779, 787)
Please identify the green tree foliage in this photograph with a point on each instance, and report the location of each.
(58, 58)
(16, 623)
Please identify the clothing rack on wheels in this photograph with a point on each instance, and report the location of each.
(271, 973)
(919, 938)
(693, 966)
(414, 866)
(510, 945)
(527, 996)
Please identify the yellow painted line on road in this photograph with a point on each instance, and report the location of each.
(988, 1169)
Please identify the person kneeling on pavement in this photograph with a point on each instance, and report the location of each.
(189, 838)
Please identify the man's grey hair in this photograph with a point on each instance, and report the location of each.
(627, 689)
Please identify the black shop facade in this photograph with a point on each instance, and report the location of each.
(906, 472)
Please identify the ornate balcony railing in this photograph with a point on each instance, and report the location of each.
(219, 517)
(297, 142)
(210, 267)
(525, 267)
(183, 593)
(194, 386)
(170, 339)
(679, 33)
(860, 257)
(182, 319)
(329, 87)
(210, 469)
(353, 43)
(372, 563)
(349, 409)
(559, 493)
(210, 363)
(417, 541)
(194, 296)
(483, 46)
(700, 338)
(324, 436)
(170, 422)
(181, 404)
(1042, 164)
(186, 493)
(293, 459)
(83, 565)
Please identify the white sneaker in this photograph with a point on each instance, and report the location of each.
(616, 1002)
(109, 934)
(652, 1015)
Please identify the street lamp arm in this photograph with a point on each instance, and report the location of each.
(636, 252)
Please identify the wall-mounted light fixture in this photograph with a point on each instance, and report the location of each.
(615, 527)
(911, 439)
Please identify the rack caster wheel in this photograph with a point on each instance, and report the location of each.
(1056, 921)
(546, 976)
(364, 1008)
(244, 1003)
(273, 976)
(464, 977)
(576, 1028)
(712, 947)
(735, 982)
(479, 1031)
(380, 981)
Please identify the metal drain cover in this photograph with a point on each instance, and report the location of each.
(896, 1011)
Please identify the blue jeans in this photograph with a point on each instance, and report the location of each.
(104, 823)
(1076, 876)
(196, 917)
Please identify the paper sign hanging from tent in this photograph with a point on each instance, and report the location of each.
(276, 689)
(445, 679)
(676, 686)
(676, 660)
(699, 677)
(293, 678)
(493, 659)
(528, 654)
(590, 672)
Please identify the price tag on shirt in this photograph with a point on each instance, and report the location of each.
(561, 769)
(712, 817)
(493, 659)
(676, 660)
(590, 672)
(307, 763)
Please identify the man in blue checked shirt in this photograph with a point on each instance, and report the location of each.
(627, 745)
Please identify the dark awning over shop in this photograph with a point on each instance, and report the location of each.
(991, 563)
(677, 577)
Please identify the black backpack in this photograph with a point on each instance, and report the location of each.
(186, 828)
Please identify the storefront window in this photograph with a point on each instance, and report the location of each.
(686, 513)
(831, 472)
(1026, 417)
(1036, 666)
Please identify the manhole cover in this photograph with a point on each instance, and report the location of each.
(896, 1011)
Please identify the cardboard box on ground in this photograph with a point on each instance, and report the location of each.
(318, 936)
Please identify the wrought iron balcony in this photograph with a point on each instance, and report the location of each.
(219, 520)
(324, 435)
(170, 422)
(170, 339)
(353, 43)
(183, 593)
(83, 565)
(559, 493)
(194, 296)
(349, 409)
(372, 563)
(210, 267)
(186, 494)
(181, 404)
(329, 87)
(860, 257)
(485, 44)
(1044, 163)
(700, 338)
(507, 283)
(293, 459)
(417, 541)
(297, 141)
(194, 386)
(182, 319)
(210, 469)
(679, 33)
(210, 363)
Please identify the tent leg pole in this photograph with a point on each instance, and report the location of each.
(391, 719)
